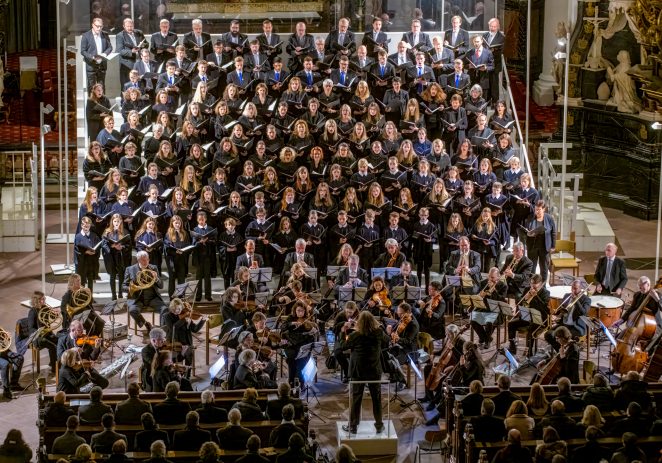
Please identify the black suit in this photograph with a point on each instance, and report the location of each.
(618, 277)
(306, 44)
(264, 44)
(144, 439)
(488, 428)
(361, 274)
(291, 259)
(92, 412)
(281, 435)
(380, 38)
(243, 261)
(496, 47)
(190, 439)
(462, 38)
(502, 402)
(57, 414)
(332, 42)
(171, 411)
(521, 274)
(95, 71)
(149, 297)
(233, 437)
(210, 414)
(474, 267)
(103, 442)
(142, 69)
(189, 41)
(424, 44)
(128, 57)
(275, 408)
(159, 45)
(130, 410)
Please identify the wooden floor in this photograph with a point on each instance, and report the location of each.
(20, 274)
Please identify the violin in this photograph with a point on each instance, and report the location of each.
(262, 350)
(433, 303)
(87, 341)
(402, 325)
(271, 335)
(188, 312)
(382, 300)
(179, 367)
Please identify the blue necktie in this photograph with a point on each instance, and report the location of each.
(170, 80)
(204, 79)
(420, 72)
(310, 79)
(342, 77)
(277, 76)
(241, 78)
(420, 86)
(382, 71)
(457, 81)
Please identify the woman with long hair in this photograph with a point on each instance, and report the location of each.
(149, 239)
(537, 403)
(167, 163)
(95, 110)
(96, 166)
(95, 208)
(485, 239)
(116, 253)
(111, 188)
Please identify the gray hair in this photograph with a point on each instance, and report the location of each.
(518, 245)
(234, 416)
(141, 254)
(354, 257)
(207, 397)
(157, 449)
(327, 82)
(300, 241)
(156, 126)
(157, 333)
(196, 22)
(643, 279)
(247, 356)
(477, 88)
(391, 242)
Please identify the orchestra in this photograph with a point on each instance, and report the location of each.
(322, 180)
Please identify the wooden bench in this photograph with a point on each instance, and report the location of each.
(225, 455)
(650, 445)
(260, 428)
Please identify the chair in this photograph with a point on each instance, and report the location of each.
(588, 370)
(564, 261)
(433, 444)
(129, 319)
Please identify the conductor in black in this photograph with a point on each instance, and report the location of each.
(366, 344)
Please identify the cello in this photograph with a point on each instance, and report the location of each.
(437, 375)
(641, 326)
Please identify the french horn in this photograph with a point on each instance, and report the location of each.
(80, 299)
(144, 279)
(5, 340)
(50, 318)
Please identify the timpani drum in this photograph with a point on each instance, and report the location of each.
(607, 308)
(556, 294)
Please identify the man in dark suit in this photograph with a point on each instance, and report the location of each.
(456, 82)
(298, 255)
(380, 73)
(517, 269)
(93, 412)
(256, 61)
(197, 43)
(146, 65)
(275, 406)
(93, 43)
(246, 259)
(572, 318)
(192, 436)
(419, 76)
(241, 77)
(538, 295)
(234, 42)
(148, 297)
(103, 441)
(441, 58)
(299, 45)
(457, 37)
(269, 42)
(504, 398)
(67, 443)
(161, 43)
(487, 427)
(480, 63)
(374, 39)
(417, 40)
(208, 413)
(129, 44)
(610, 274)
(252, 454)
(573, 403)
(234, 435)
(353, 276)
(592, 451)
(495, 40)
(559, 420)
(171, 410)
(466, 263)
(344, 78)
(635, 422)
(57, 412)
(130, 410)
(149, 434)
(341, 41)
(280, 435)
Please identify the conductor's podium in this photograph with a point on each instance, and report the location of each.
(366, 441)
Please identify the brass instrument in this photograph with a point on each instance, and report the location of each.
(80, 299)
(5, 340)
(463, 271)
(510, 267)
(145, 279)
(488, 289)
(568, 309)
(50, 318)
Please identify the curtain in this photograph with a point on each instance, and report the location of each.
(22, 25)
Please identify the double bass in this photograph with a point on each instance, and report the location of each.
(437, 375)
(628, 355)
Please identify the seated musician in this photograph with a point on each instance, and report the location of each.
(262, 335)
(246, 286)
(432, 309)
(89, 348)
(353, 276)
(251, 372)
(392, 257)
(343, 325)
(249, 258)
(165, 371)
(76, 372)
(182, 331)
(47, 340)
(495, 289)
(299, 255)
(649, 300)
(517, 269)
(157, 340)
(147, 297)
(376, 299)
(610, 273)
(405, 335)
(537, 297)
(300, 329)
(10, 362)
(405, 277)
(465, 263)
(298, 273)
(451, 353)
(231, 311)
(575, 305)
(568, 355)
(471, 365)
(262, 351)
(73, 285)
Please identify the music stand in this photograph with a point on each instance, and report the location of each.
(332, 271)
(417, 375)
(31, 339)
(229, 334)
(504, 309)
(387, 273)
(311, 272)
(109, 309)
(454, 282)
(261, 275)
(406, 293)
(531, 315)
(215, 371)
(313, 349)
(261, 299)
(590, 327)
(471, 302)
(186, 291)
(612, 344)
(351, 294)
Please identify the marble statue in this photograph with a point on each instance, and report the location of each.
(623, 92)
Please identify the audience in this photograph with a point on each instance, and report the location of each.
(103, 442)
(253, 451)
(560, 421)
(571, 402)
(487, 427)
(83, 454)
(591, 417)
(234, 436)
(95, 410)
(207, 412)
(209, 452)
(472, 402)
(504, 399)
(345, 454)
(296, 451)
(171, 410)
(537, 403)
(192, 436)
(280, 435)
(67, 443)
(551, 446)
(633, 389)
(56, 412)
(518, 418)
(118, 454)
(14, 449)
(600, 394)
(630, 452)
(513, 452)
(250, 410)
(592, 452)
(157, 453)
(150, 434)
(131, 410)
(275, 406)
(634, 422)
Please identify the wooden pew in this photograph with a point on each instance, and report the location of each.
(181, 456)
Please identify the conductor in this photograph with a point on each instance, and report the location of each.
(366, 344)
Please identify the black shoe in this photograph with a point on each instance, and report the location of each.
(15, 387)
(423, 399)
(433, 421)
(431, 406)
(7, 394)
(400, 386)
(345, 380)
(208, 299)
(349, 429)
(379, 427)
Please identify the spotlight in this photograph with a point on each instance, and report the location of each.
(45, 128)
(66, 2)
(48, 109)
(656, 125)
(72, 49)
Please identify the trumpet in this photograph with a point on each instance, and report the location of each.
(80, 299)
(5, 340)
(145, 279)
(488, 289)
(510, 267)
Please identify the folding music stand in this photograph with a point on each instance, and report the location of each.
(309, 372)
(215, 371)
(109, 309)
(261, 275)
(334, 270)
(406, 293)
(509, 367)
(186, 291)
(504, 309)
(351, 294)
(470, 302)
(311, 272)
(531, 315)
(387, 273)
(417, 375)
(590, 326)
(454, 282)
(612, 344)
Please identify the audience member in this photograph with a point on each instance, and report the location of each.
(634, 422)
(234, 436)
(551, 446)
(518, 418)
(171, 410)
(345, 454)
(118, 454)
(157, 453)
(103, 441)
(537, 403)
(280, 435)
(57, 412)
(250, 410)
(208, 412)
(192, 436)
(633, 389)
(572, 402)
(599, 394)
(130, 411)
(253, 451)
(150, 434)
(83, 454)
(209, 452)
(96, 409)
(591, 417)
(560, 421)
(296, 451)
(487, 427)
(630, 451)
(14, 449)
(513, 452)
(275, 406)
(67, 443)
(592, 451)
(504, 398)
(472, 402)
